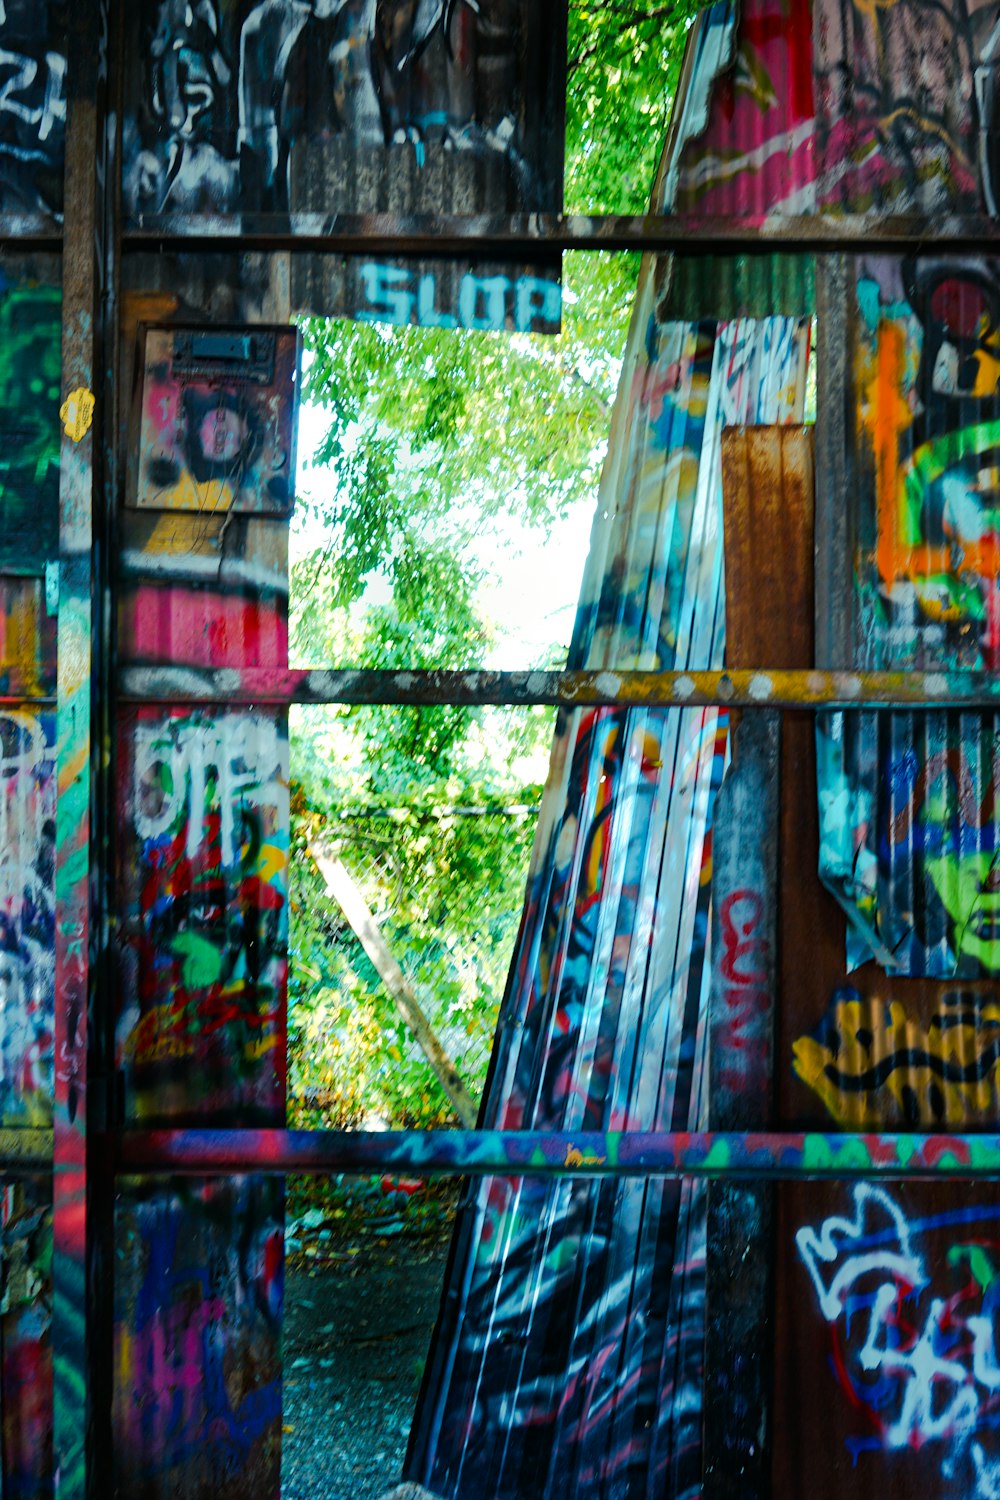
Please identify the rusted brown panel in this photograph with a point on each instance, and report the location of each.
(767, 500)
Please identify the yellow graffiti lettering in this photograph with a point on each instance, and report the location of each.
(575, 1158)
(873, 1066)
(257, 1049)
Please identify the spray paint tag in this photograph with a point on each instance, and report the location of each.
(77, 413)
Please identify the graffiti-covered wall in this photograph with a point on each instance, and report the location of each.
(33, 66)
(248, 107)
(30, 330)
(198, 1300)
(203, 803)
(838, 108)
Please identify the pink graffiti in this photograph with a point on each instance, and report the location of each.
(168, 1371)
(744, 966)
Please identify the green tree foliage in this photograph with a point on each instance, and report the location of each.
(432, 436)
(624, 61)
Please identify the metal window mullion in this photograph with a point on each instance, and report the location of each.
(747, 688)
(72, 1332)
(747, 1155)
(524, 235)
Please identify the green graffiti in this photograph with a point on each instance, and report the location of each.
(979, 1263)
(201, 960)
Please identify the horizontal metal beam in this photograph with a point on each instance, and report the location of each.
(736, 689)
(22, 234)
(557, 1154)
(525, 235)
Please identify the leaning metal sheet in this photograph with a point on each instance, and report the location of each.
(543, 1377)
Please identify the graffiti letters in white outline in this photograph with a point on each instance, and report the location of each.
(174, 766)
(944, 1370)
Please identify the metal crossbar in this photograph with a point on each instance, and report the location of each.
(713, 1154)
(753, 688)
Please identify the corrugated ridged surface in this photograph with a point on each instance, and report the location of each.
(757, 157)
(842, 108)
(743, 286)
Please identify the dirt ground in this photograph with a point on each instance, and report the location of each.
(358, 1320)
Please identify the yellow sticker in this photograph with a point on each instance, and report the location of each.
(77, 413)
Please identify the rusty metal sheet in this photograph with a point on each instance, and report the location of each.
(238, 108)
(767, 493)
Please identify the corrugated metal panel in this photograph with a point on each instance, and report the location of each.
(285, 108)
(602, 1023)
(839, 108)
(744, 286)
(926, 367)
(757, 156)
(908, 802)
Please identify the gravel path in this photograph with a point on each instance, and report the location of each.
(358, 1324)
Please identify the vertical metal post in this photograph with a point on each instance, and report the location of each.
(83, 274)
(768, 508)
(834, 523)
(741, 1016)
